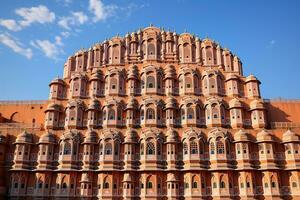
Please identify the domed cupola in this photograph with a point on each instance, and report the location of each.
(97, 84)
(47, 138)
(57, 89)
(236, 113)
(290, 136)
(24, 138)
(22, 151)
(257, 114)
(130, 136)
(172, 136)
(242, 136)
(252, 87)
(264, 136)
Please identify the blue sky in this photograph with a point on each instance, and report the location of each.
(36, 37)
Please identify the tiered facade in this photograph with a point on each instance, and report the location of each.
(153, 115)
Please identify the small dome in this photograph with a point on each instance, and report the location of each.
(132, 72)
(290, 136)
(170, 71)
(171, 136)
(171, 103)
(251, 77)
(127, 177)
(241, 136)
(90, 137)
(131, 104)
(231, 77)
(53, 107)
(130, 136)
(171, 177)
(257, 105)
(24, 137)
(57, 81)
(96, 76)
(94, 105)
(235, 103)
(264, 136)
(47, 138)
(85, 178)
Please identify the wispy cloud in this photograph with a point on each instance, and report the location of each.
(40, 14)
(15, 45)
(101, 11)
(50, 49)
(75, 19)
(10, 24)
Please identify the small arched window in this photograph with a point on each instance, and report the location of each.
(64, 185)
(108, 149)
(150, 114)
(67, 147)
(212, 148)
(222, 185)
(150, 148)
(220, 147)
(111, 114)
(193, 147)
(195, 185)
(150, 82)
(190, 113)
(149, 185)
(106, 185)
(185, 148)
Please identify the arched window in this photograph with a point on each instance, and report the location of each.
(222, 185)
(142, 114)
(111, 114)
(294, 184)
(220, 147)
(67, 147)
(150, 82)
(193, 147)
(195, 185)
(212, 148)
(150, 148)
(113, 83)
(106, 185)
(188, 82)
(185, 148)
(182, 114)
(108, 149)
(214, 185)
(190, 113)
(150, 114)
(149, 185)
(64, 185)
(142, 149)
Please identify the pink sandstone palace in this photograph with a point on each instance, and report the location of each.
(153, 115)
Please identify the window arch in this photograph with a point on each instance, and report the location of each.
(67, 147)
(111, 114)
(150, 148)
(185, 148)
(195, 185)
(222, 185)
(113, 83)
(150, 82)
(212, 148)
(108, 149)
(190, 113)
(150, 114)
(193, 147)
(106, 185)
(220, 146)
(149, 185)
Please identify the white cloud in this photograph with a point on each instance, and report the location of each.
(10, 24)
(76, 18)
(51, 50)
(101, 11)
(65, 34)
(58, 41)
(15, 45)
(272, 42)
(40, 14)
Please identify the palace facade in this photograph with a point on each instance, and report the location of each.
(152, 115)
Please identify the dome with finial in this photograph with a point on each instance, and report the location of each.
(257, 105)
(54, 107)
(131, 103)
(97, 75)
(241, 136)
(170, 71)
(130, 136)
(85, 177)
(47, 138)
(58, 81)
(231, 77)
(94, 105)
(90, 137)
(24, 137)
(132, 73)
(172, 136)
(235, 103)
(171, 103)
(264, 136)
(171, 177)
(251, 77)
(290, 136)
(127, 177)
